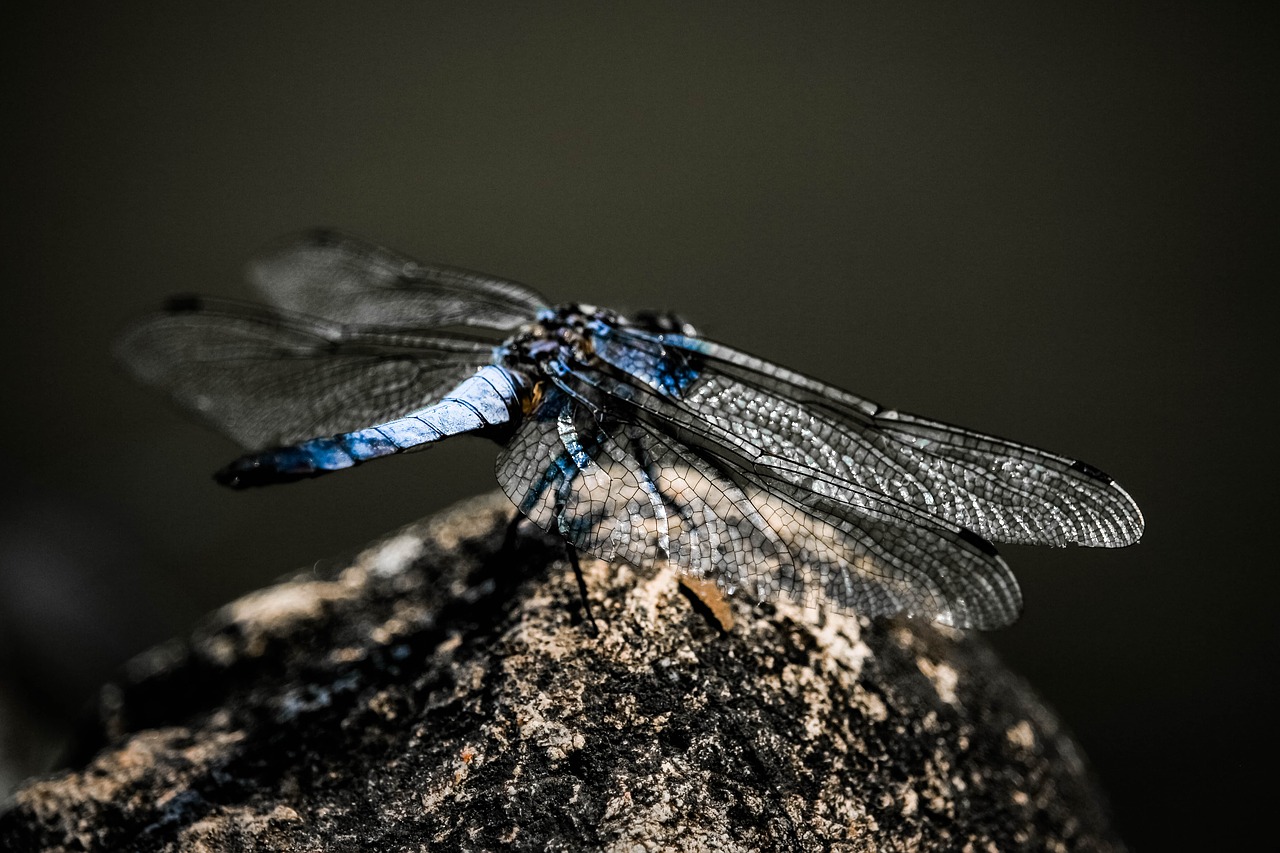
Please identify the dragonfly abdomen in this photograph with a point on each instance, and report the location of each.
(485, 402)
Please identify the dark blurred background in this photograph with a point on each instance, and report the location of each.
(1044, 221)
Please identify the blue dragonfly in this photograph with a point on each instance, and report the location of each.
(632, 437)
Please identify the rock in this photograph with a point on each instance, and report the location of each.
(442, 693)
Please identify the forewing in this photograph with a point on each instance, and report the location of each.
(345, 279)
(1003, 491)
(630, 489)
(266, 378)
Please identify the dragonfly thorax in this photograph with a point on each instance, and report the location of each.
(558, 335)
(566, 334)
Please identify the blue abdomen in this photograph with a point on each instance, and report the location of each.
(486, 401)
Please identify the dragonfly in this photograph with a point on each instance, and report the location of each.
(632, 437)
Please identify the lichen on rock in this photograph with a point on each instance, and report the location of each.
(441, 693)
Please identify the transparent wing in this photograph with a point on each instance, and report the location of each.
(632, 489)
(266, 378)
(345, 279)
(802, 428)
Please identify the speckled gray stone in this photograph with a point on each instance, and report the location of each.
(439, 693)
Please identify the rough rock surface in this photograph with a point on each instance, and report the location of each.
(442, 693)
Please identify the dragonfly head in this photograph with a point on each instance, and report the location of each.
(662, 323)
(561, 334)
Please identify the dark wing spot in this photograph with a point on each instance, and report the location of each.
(1089, 471)
(978, 542)
(183, 304)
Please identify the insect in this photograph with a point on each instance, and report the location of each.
(632, 437)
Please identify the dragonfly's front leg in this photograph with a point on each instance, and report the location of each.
(589, 619)
(571, 554)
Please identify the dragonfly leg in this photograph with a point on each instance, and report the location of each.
(571, 554)
(513, 533)
(589, 619)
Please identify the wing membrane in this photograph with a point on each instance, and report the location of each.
(632, 490)
(345, 279)
(266, 378)
(1005, 492)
